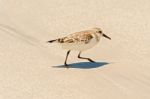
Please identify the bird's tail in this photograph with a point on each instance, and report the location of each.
(52, 41)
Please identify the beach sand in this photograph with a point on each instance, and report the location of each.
(30, 68)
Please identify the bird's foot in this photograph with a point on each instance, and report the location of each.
(66, 65)
(91, 60)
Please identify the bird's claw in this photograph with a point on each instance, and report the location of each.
(91, 61)
(67, 66)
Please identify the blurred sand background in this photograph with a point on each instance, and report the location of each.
(26, 60)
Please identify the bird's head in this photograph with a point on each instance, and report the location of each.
(98, 30)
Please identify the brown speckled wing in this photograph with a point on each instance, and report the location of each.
(88, 37)
(65, 40)
(69, 40)
(83, 37)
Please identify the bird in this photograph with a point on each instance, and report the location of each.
(80, 41)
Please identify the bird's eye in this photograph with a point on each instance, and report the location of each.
(100, 31)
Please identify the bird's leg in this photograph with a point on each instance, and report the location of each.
(85, 58)
(66, 59)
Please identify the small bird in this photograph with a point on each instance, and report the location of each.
(80, 41)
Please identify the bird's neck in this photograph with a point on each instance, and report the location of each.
(98, 36)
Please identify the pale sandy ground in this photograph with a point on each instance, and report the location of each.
(26, 59)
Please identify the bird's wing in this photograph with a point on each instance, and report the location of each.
(66, 40)
(84, 37)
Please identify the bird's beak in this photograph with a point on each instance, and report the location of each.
(106, 36)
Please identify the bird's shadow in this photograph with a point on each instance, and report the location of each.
(83, 65)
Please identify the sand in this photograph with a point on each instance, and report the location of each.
(29, 67)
